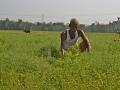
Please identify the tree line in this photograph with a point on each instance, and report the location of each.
(28, 26)
(112, 27)
(58, 26)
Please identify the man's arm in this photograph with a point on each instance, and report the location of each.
(85, 44)
(62, 44)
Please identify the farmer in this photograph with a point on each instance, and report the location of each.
(70, 38)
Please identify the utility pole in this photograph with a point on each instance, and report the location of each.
(42, 18)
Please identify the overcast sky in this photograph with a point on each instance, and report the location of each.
(87, 11)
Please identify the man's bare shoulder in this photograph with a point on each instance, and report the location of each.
(63, 33)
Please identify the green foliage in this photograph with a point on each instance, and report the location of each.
(58, 26)
(33, 62)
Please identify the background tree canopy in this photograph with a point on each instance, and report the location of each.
(58, 26)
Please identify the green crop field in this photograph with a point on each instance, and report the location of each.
(33, 62)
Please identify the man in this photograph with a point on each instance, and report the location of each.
(70, 38)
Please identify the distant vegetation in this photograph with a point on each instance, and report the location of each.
(58, 26)
(28, 26)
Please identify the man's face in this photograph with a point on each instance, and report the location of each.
(74, 26)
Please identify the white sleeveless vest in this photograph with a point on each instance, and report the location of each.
(69, 42)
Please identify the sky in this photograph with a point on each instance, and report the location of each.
(86, 11)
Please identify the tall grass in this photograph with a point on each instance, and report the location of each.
(33, 62)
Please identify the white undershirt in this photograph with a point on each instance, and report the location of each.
(69, 42)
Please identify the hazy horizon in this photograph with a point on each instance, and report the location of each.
(85, 11)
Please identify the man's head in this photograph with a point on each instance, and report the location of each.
(74, 23)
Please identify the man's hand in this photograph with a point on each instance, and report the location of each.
(85, 46)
